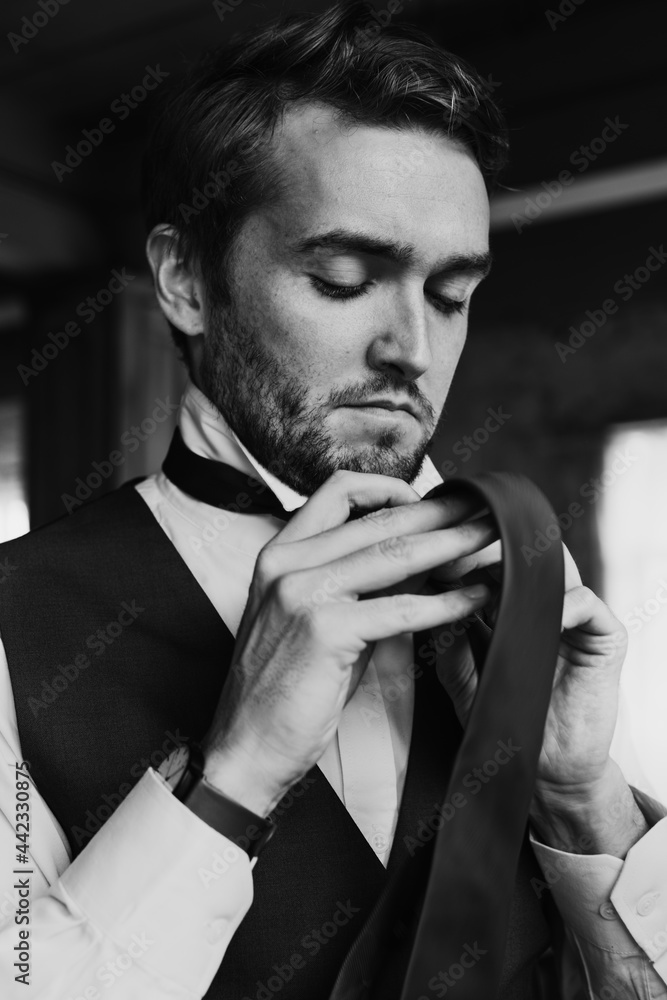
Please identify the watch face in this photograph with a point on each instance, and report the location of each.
(173, 767)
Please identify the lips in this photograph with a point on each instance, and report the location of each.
(388, 404)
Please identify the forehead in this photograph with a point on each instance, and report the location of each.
(406, 185)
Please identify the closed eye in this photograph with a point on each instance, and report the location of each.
(448, 306)
(339, 291)
(444, 305)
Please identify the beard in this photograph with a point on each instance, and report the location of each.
(268, 408)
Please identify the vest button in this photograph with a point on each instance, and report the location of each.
(608, 911)
(647, 903)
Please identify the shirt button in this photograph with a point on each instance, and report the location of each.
(216, 930)
(379, 842)
(647, 903)
(608, 911)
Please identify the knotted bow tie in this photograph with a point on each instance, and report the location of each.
(217, 483)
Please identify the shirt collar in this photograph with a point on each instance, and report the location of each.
(206, 432)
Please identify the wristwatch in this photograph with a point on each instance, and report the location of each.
(184, 771)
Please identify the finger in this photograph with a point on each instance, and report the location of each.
(384, 617)
(476, 502)
(583, 610)
(488, 557)
(342, 494)
(392, 561)
(380, 525)
(347, 492)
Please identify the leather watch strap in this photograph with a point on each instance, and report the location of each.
(245, 828)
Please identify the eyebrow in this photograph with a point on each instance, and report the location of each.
(349, 241)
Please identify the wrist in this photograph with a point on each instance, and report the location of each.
(185, 772)
(240, 777)
(598, 817)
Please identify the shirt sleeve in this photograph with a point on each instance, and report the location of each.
(615, 911)
(148, 907)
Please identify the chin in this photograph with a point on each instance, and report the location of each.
(381, 459)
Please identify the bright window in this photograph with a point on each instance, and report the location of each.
(13, 507)
(632, 522)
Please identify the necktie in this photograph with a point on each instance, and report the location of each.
(469, 876)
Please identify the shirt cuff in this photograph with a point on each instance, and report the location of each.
(640, 895)
(619, 907)
(158, 879)
(581, 885)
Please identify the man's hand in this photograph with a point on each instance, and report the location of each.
(582, 803)
(316, 608)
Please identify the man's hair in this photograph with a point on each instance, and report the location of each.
(209, 159)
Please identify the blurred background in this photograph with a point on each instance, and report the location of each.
(565, 374)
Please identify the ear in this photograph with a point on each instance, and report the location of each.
(178, 288)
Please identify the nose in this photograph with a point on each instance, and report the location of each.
(400, 342)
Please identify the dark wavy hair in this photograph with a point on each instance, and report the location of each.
(209, 160)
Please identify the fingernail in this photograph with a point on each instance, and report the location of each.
(476, 592)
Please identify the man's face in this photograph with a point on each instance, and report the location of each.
(349, 300)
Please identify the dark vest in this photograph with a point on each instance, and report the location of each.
(105, 587)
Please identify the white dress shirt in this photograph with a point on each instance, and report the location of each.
(152, 901)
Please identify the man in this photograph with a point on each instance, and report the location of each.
(320, 301)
